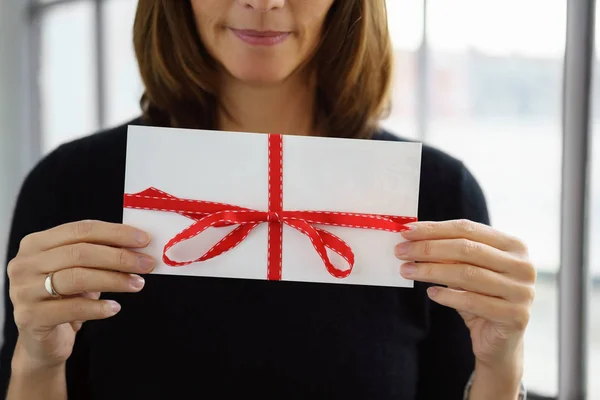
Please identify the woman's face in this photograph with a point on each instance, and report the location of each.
(261, 41)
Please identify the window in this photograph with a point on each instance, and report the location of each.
(494, 96)
(123, 86)
(71, 73)
(68, 72)
(406, 30)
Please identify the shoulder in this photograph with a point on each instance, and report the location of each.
(106, 144)
(448, 189)
(78, 175)
(76, 157)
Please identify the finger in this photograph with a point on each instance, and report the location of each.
(72, 281)
(91, 256)
(467, 252)
(88, 231)
(454, 250)
(499, 311)
(469, 278)
(76, 325)
(61, 311)
(463, 228)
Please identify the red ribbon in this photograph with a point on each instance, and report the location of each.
(209, 214)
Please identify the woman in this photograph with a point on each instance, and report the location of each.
(306, 67)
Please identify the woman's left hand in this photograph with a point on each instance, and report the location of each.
(489, 279)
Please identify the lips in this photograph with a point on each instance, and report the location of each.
(260, 38)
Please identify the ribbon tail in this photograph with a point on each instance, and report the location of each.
(321, 240)
(156, 200)
(386, 223)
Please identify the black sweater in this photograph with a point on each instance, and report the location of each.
(210, 338)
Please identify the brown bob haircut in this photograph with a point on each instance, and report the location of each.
(353, 67)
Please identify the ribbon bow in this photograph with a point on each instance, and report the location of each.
(210, 214)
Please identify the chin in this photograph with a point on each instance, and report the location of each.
(260, 74)
(260, 80)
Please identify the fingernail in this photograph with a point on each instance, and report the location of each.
(142, 237)
(408, 269)
(113, 306)
(402, 248)
(137, 282)
(432, 291)
(145, 263)
(411, 227)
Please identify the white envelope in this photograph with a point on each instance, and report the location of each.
(319, 174)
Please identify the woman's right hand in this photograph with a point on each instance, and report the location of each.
(85, 258)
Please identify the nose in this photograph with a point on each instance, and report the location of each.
(263, 5)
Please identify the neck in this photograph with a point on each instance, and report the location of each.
(285, 108)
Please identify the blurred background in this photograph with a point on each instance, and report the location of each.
(481, 80)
